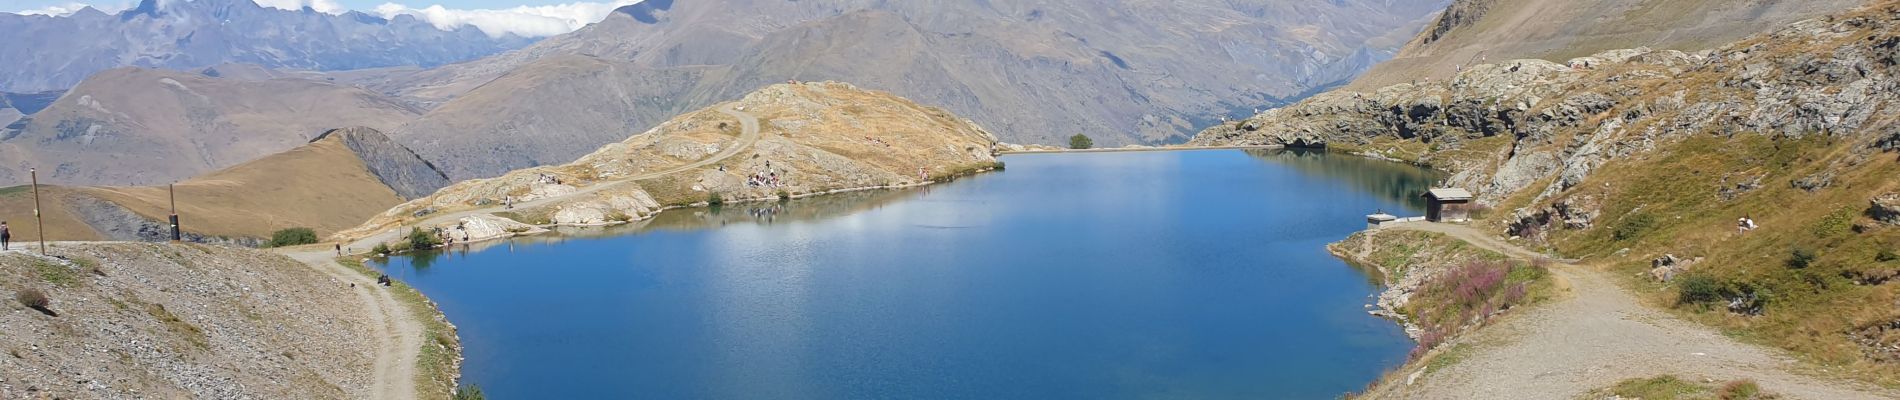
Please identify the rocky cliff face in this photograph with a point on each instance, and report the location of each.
(50, 53)
(810, 139)
(397, 167)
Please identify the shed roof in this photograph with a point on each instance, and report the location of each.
(1449, 194)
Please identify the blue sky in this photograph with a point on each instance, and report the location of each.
(22, 5)
(531, 18)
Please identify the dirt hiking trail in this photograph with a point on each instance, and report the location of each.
(1593, 336)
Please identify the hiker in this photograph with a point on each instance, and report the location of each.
(6, 236)
(1751, 223)
(339, 249)
(1741, 225)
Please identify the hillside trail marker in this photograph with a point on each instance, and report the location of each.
(37, 220)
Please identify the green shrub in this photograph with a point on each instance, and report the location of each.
(1800, 258)
(1740, 390)
(1886, 255)
(1081, 142)
(422, 240)
(1835, 223)
(1698, 289)
(1633, 225)
(715, 200)
(469, 392)
(56, 274)
(380, 249)
(33, 298)
(292, 237)
(1661, 388)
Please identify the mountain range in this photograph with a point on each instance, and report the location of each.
(1035, 71)
(136, 126)
(46, 52)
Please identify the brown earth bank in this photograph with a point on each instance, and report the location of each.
(138, 320)
(786, 140)
(1641, 162)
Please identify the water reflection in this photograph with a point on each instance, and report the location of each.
(1392, 181)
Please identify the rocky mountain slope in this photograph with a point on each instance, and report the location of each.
(335, 182)
(1471, 32)
(133, 126)
(57, 52)
(1644, 160)
(1034, 72)
(178, 321)
(781, 141)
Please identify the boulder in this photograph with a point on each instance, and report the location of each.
(1886, 208)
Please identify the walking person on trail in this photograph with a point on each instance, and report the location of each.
(339, 249)
(6, 236)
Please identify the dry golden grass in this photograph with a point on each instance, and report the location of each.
(322, 186)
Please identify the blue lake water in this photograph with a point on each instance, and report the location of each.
(1198, 274)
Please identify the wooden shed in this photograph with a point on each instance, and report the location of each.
(1448, 205)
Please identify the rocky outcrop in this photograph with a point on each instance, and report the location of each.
(1886, 208)
(402, 170)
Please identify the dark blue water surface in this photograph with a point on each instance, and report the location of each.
(1094, 276)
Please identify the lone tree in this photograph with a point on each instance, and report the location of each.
(1081, 142)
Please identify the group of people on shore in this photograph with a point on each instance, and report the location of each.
(767, 179)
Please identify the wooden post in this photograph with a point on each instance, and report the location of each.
(172, 191)
(37, 219)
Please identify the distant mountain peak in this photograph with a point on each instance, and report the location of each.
(647, 11)
(145, 7)
(58, 52)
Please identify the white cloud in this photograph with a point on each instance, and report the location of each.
(528, 21)
(61, 10)
(322, 6)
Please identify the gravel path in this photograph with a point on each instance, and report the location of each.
(398, 339)
(1595, 335)
(749, 135)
